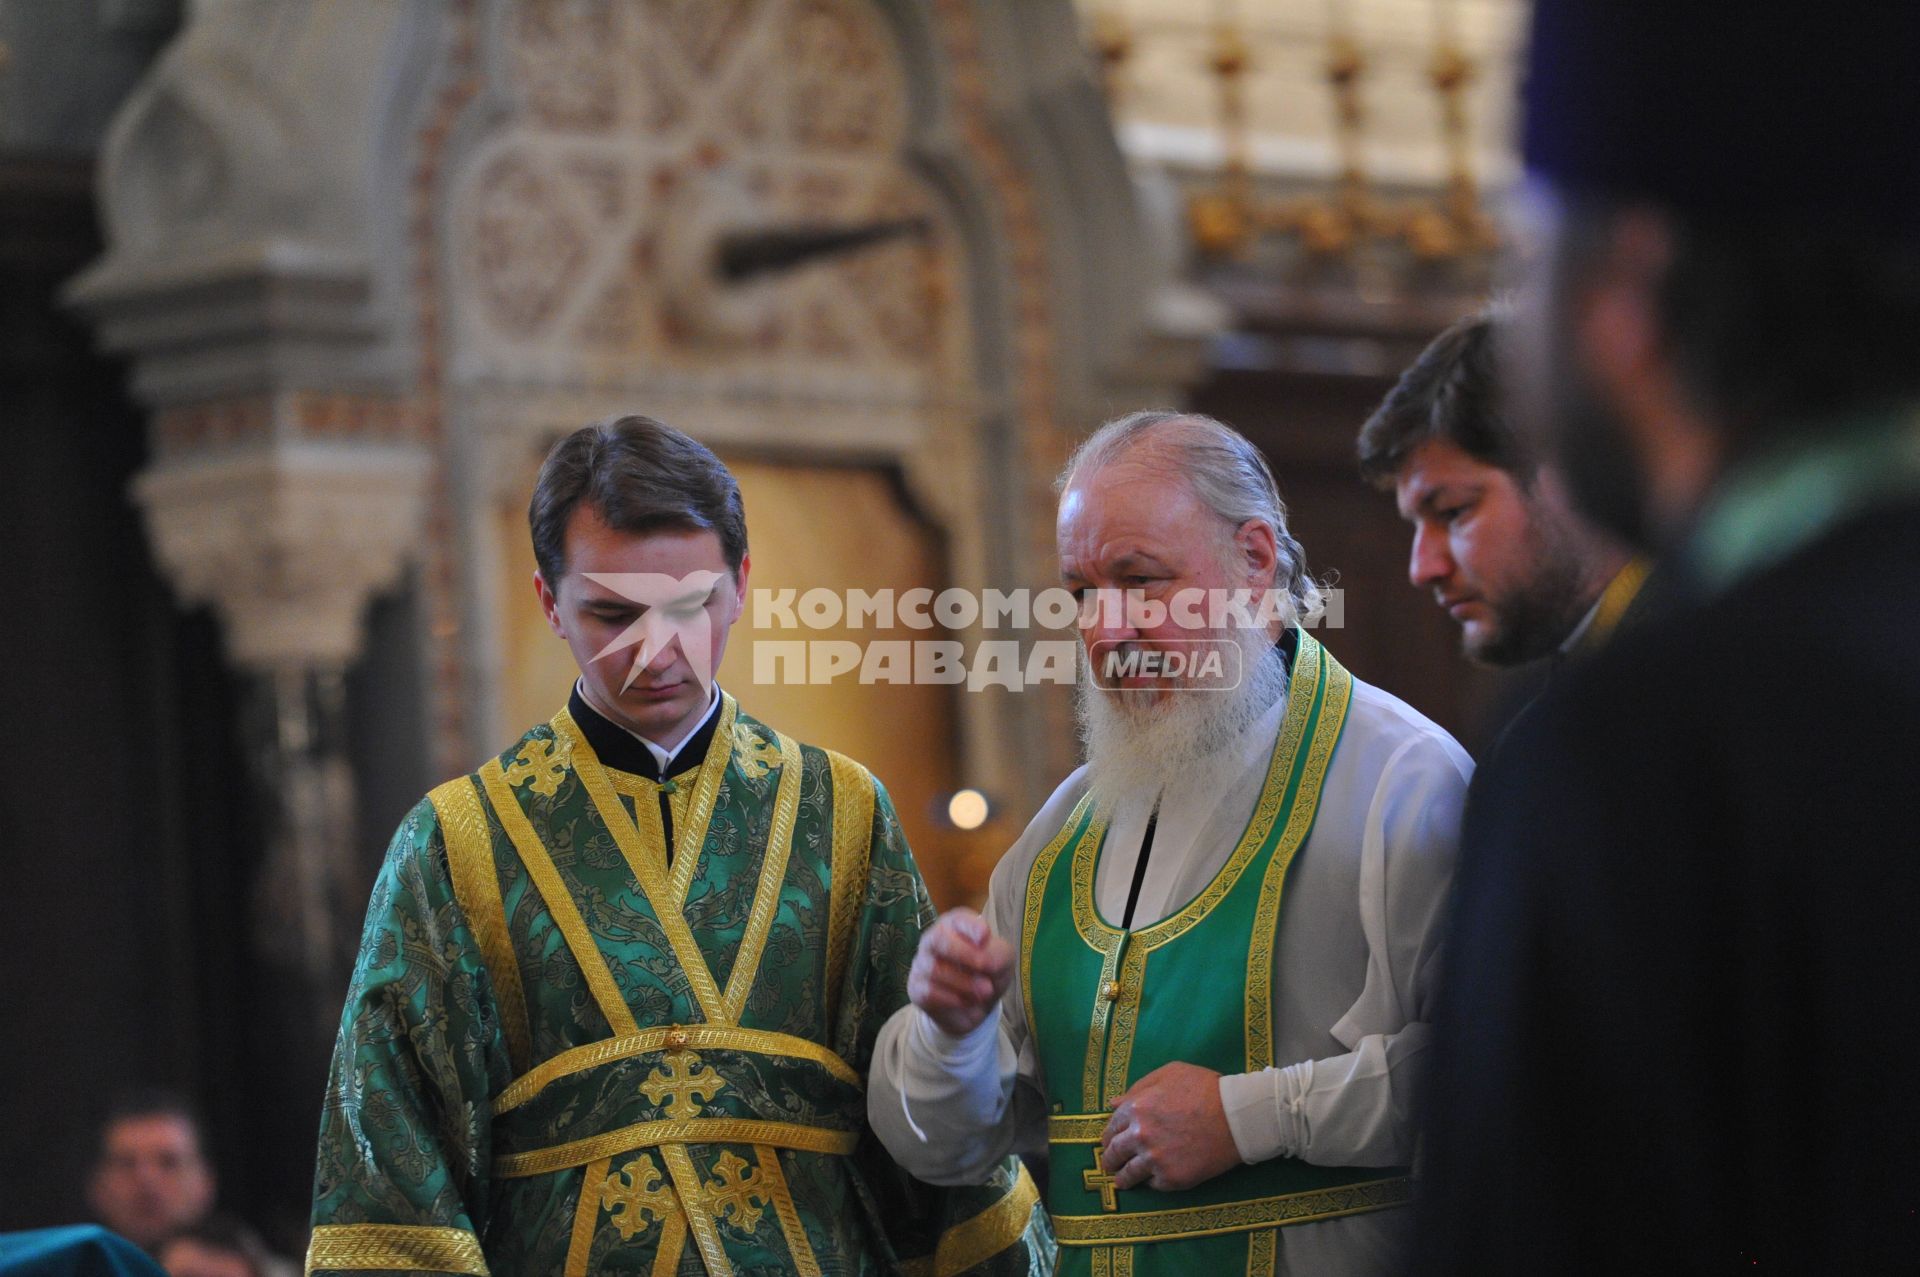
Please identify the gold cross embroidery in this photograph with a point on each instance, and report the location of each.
(687, 1088)
(1098, 1181)
(537, 763)
(637, 1192)
(753, 756)
(736, 1195)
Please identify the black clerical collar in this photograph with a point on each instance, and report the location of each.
(1289, 645)
(623, 751)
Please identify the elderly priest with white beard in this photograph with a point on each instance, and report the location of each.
(1202, 981)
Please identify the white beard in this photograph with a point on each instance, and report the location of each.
(1137, 744)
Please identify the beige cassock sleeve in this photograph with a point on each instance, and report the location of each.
(1358, 1108)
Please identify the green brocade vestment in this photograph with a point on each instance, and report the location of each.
(565, 1051)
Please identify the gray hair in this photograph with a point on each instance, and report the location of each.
(1228, 474)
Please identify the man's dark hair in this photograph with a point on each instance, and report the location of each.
(147, 1101)
(1777, 329)
(1451, 393)
(641, 476)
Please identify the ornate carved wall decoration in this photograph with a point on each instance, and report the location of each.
(441, 234)
(582, 231)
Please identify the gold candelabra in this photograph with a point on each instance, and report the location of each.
(1230, 216)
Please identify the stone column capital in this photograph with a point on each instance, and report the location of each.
(287, 543)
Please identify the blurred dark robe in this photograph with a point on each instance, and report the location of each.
(1677, 1029)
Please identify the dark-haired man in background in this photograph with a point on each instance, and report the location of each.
(1495, 535)
(1676, 1031)
(619, 987)
(151, 1178)
(150, 1173)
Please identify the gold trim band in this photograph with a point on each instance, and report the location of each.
(673, 1242)
(1076, 1128)
(691, 837)
(1333, 687)
(1036, 887)
(1616, 599)
(1232, 1217)
(773, 877)
(695, 1037)
(805, 1262)
(694, 1130)
(586, 1217)
(372, 1247)
(690, 1189)
(559, 901)
(476, 886)
(644, 846)
(974, 1241)
(854, 799)
(1263, 1252)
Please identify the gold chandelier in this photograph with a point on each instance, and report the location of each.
(1229, 217)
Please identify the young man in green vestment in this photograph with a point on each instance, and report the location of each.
(1202, 977)
(619, 987)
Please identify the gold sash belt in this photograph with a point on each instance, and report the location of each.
(1076, 1128)
(693, 1130)
(696, 1037)
(1232, 1217)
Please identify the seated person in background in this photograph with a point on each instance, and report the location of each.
(217, 1246)
(150, 1176)
(151, 1179)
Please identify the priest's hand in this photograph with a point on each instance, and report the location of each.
(960, 972)
(1169, 1131)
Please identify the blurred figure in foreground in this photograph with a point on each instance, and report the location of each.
(1675, 1032)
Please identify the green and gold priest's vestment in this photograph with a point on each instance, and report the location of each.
(1112, 1004)
(568, 1051)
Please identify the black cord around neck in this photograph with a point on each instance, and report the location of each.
(1140, 869)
